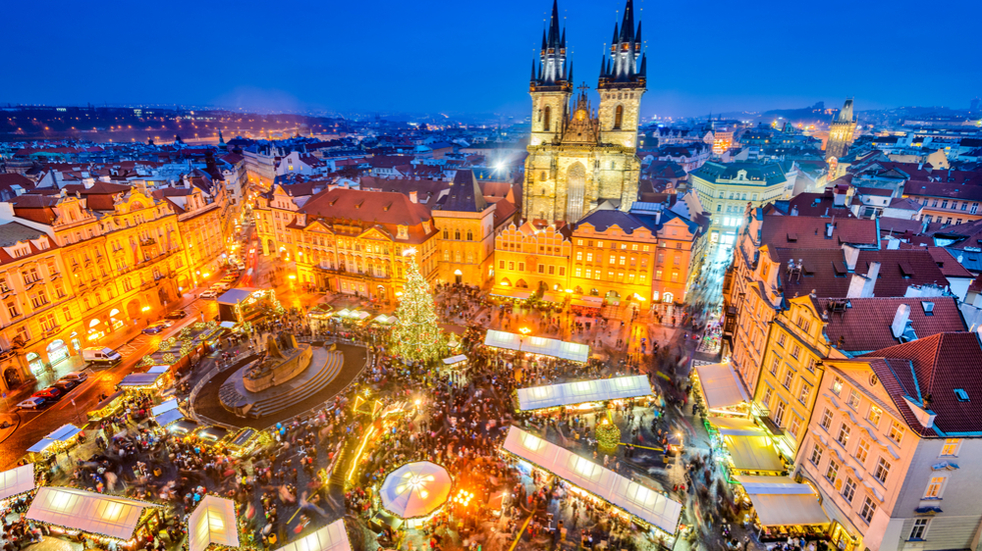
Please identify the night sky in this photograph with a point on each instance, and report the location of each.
(473, 56)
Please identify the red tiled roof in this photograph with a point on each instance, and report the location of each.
(809, 232)
(930, 369)
(969, 191)
(865, 325)
(371, 208)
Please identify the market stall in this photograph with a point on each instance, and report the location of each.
(721, 389)
(385, 320)
(641, 503)
(752, 454)
(213, 521)
(167, 412)
(581, 392)
(108, 407)
(16, 481)
(416, 491)
(332, 537)
(56, 441)
(141, 382)
(457, 361)
(783, 508)
(538, 345)
(99, 517)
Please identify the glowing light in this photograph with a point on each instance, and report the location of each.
(145, 309)
(525, 330)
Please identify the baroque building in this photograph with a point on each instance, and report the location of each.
(578, 157)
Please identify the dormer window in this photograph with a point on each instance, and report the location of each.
(403, 232)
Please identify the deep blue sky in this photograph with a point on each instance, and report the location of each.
(474, 56)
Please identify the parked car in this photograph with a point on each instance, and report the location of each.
(157, 327)
(208, 295)
(50, 394)
(76, 376)
(176, 315)
(32, 403)
(66, 384)
(221, 286)
(105, 356)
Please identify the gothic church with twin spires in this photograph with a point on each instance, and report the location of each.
(580, 157)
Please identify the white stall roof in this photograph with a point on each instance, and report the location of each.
(634, 498)
(780, 500)
(455, 359)
(168, 417)
(158, 369)
(538, 345)
(165, 406)
(753, 453)
(113, 516)
(213, 521)
(41, 445)
(332, 537)
(596, 390)
(17, 481)
(721, 387)
(733, 426)
(64, 434)
(227, 324)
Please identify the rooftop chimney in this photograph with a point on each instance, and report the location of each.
(871, 275)
(413, 197)
(900, 319)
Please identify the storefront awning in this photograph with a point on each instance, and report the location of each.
(41, 445)
(17, 481)
(511, 293)
(332, 537)
(642, 502)
(735, 426)
(779, 500)
(721, 387)
(235, 296)
(587, 302)
(538, 345)
(753, 453)
(597, 390)
(553, 297)
(105, 515)
(213, 521)
(139, 380)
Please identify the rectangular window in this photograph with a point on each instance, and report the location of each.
(826, 419)
(781, 339)
(589, 257)
(935, 487)
(775, 365)
(552, 270)
(766, 398)
(849, 489)
(816, 456)
(804, 393)
(589, 273)
(542, 268)
(896, 431)
(843, 436)
(511, 265)
(869, 507)
(832, 471)
(778, 416)
(795, 425)
(862, 451)
(788, 379)
(882, 470)
(950, 448)
(675, 276)
(919, 530)
(577, 272)
(874, 415)
(579, 255)
(521, 266)
(501, 265)
(562, 270)
(853, 399)
(795, 351)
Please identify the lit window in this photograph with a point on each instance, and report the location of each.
(950, 448)
(832, 471)
(843, 436)
(882, 470)
(874, 415)
(919, 530)
(826, 419)
(862, 450)
(816, 456)
(836, 386)
(869, 508)
(849, 489)
(935, 487)
(896, 431)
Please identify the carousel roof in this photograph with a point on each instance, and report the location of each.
(416, 489)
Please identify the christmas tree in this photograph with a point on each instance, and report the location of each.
(416, 337)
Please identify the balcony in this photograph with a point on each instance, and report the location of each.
(148, 242)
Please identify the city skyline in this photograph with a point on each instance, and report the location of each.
(409, 58)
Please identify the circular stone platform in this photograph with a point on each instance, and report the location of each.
(208, 403)
(237, 398)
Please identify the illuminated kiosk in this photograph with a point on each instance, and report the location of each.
(416, 491)
(583, 394)
(101, 518)
(213, 522)
(288, 373)
(332, 537)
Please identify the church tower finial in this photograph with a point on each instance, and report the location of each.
(553, 53)
(625, 49)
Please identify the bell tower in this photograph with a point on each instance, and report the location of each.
(551, 84)
(840, 133)
(622, 83)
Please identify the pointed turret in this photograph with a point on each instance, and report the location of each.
(603, 66)
(553, 70)
(643, 71)
(569, 77)
(532, 78)
(625, 49)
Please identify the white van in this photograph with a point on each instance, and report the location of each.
(105, 356)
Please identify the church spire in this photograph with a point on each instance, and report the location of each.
(553, 53)
(625, 51)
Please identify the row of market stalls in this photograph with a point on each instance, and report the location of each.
(537, 346)
(641, 504)
(756, 459)
(583, 393)
(105, 519)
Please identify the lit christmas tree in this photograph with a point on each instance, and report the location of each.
(416, 337)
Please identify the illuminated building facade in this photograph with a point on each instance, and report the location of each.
(466, 222)
(840, 133)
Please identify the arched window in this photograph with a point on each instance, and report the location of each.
(470, 235)
(456, 235)
(446, 234)
(618, 117)
(547, 113)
